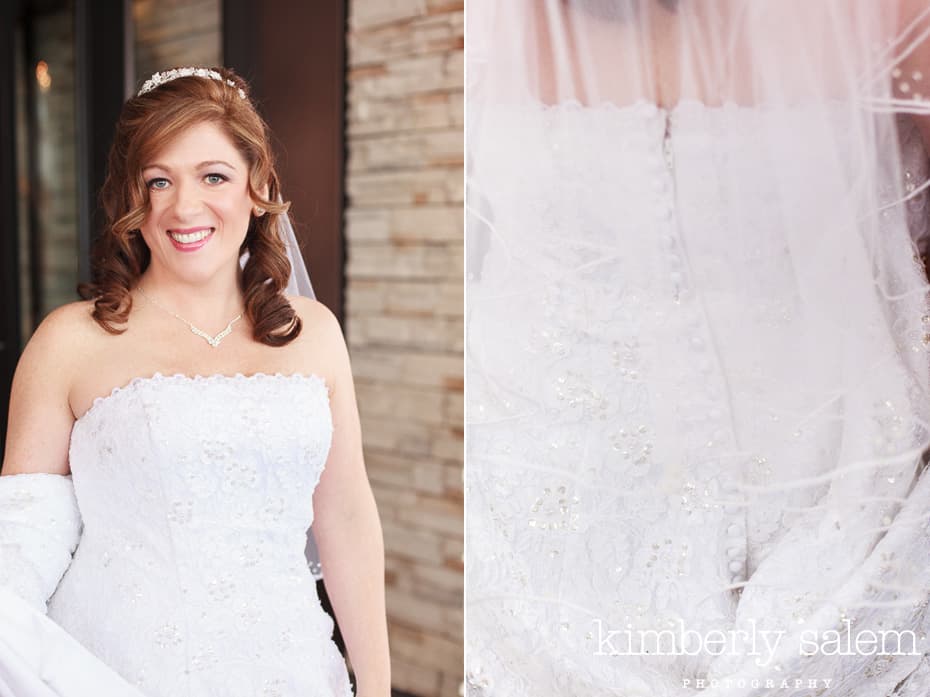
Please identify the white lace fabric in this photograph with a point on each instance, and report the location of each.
(190, 576)
(645, 369)
(40, 526)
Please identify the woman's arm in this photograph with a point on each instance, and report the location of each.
(40, 417)
(346, 524)
(40, 523)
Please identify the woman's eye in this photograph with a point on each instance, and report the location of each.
(156, 183)
(215, 178)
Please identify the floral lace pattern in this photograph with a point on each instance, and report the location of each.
(40, 526)
(649, 371)
(196, 495)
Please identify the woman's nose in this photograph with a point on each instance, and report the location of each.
(187, 202)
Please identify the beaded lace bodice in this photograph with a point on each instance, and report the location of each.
(639, 357)
(196, 495)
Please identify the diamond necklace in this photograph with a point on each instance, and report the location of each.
(214, 341)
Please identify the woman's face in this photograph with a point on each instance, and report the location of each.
(200, 205)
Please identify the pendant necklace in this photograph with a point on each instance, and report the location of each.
(214, 341)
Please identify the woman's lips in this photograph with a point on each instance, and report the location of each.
(190, 239)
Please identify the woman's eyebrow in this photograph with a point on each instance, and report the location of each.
(206, 163)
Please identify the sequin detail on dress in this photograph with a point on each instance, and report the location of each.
(644, 373)
(196, 495)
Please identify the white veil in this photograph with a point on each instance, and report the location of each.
(298, 283)
(831, 96)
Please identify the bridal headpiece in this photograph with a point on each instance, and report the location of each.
(161, 78)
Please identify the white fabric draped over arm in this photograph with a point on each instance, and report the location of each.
(40, 526)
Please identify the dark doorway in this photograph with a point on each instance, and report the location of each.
(61, 88)
(293, 55)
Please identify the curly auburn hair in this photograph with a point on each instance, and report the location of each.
(147, 123)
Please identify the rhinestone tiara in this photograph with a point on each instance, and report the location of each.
(162, 77)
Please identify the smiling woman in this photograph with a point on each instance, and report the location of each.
(178, 221)
(202, 448)
(186, 148)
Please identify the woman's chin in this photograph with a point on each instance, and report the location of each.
(195, 271)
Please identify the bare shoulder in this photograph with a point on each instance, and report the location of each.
(63, 341)
(62, 335)
(318, 320)
(67, 341)
(40, 416)
(323, 345)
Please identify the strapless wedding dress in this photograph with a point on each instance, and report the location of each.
(190, 576)
(642, 360)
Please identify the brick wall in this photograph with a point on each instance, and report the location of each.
(170, 33)
(404, 311)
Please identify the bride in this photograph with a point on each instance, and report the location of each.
(697, 348)
(179, 430)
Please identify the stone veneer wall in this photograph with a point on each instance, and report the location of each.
(170, 33)
(404, 227)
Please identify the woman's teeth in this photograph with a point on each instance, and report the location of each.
(191, 236)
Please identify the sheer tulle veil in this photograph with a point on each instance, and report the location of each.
(298, 283)
(837, 92)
